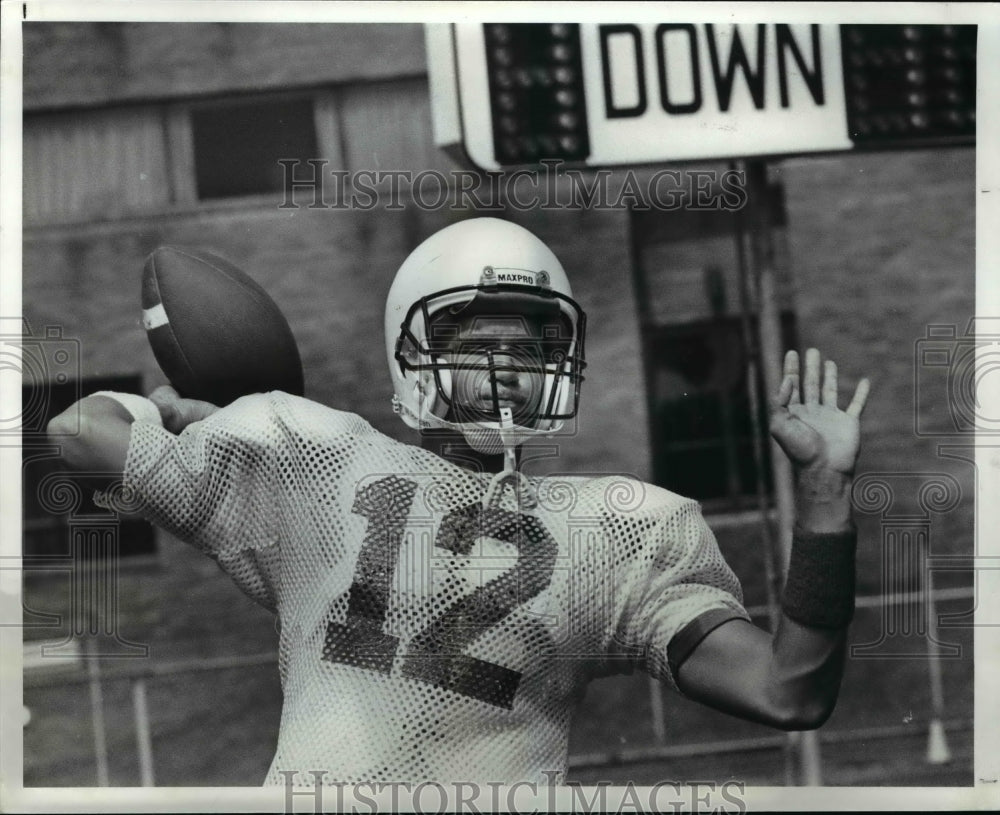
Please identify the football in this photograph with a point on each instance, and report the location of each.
(215, 332)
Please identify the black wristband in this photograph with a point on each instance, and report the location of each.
(819, 590)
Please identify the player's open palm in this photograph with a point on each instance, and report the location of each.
(812, 430)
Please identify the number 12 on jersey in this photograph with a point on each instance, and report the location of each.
(436, 654)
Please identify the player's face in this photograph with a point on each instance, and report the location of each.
(498, 363)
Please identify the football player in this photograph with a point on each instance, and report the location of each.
(440, 611)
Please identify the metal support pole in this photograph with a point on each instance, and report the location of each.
(937, 743)
(142, 734)
(97, 716)
(769, 328)
(657, 712)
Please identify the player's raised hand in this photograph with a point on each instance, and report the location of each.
(178, 412)
(807, 423)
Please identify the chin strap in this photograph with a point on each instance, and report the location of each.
(509, 475)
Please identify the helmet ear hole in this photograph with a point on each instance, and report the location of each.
(444, 373)
(428, 395)
(407, 349)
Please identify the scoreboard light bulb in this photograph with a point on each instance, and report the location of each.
(565, 97)
(503, 79)
(561, 52)
(503, 57)
(570, 143)
(565, 75)
(499, 32)
(509, 125)
(568, 121)
(507, 102)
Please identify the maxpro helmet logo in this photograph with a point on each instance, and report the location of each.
(523, 277)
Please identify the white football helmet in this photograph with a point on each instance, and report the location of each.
(484, 269)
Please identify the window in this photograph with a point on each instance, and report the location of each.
(46, 528)
(237, 145)
(700, 411)
(693, 286)
(94, 164)
(179, 154)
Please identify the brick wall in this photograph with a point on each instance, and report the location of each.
(882, 245)
(76, 64)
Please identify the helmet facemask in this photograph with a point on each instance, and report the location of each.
(500, 363)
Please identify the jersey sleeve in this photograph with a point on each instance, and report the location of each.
(217, 486)
(674, 588)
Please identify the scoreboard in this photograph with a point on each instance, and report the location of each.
(513, 94)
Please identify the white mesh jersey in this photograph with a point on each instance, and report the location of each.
(424, 637)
